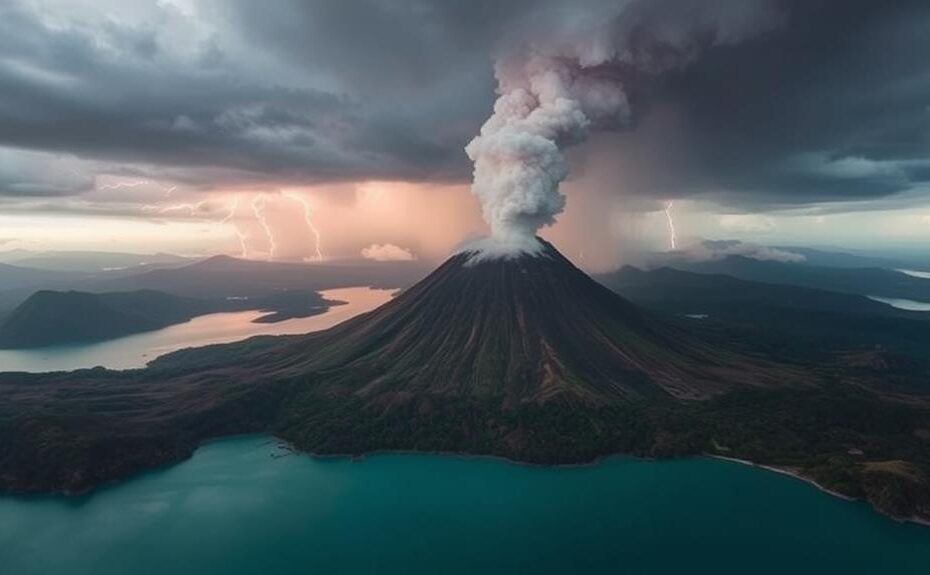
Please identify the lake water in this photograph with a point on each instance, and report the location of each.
(139, 349)
(916, 274)
(906, 304)
(233, 509)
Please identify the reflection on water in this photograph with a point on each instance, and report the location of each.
(916, 274)
(906, 304)
(137, 350)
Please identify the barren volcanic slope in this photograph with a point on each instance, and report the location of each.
(526, 358)
(523, 330)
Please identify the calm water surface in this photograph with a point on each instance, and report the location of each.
(137, 350)
(235, 509)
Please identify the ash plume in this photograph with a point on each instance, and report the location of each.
(564, 78)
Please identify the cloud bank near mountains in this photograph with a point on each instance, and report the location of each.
(714, 250)
(828, 104)
(387, 253)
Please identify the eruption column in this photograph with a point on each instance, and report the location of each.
(543, 105)
(562, 76)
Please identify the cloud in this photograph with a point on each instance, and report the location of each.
(157, 85)
(812, 112)
(712, 250)
(35, 174)
(826, 105)
(749, 223)
(387, 253)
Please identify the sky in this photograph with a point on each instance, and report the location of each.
(306, 130)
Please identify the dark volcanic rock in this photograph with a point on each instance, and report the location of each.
(527, 328)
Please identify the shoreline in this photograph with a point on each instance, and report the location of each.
(275, 442)
(358, 457)
(796, 475)
(915, 519)
(782, 471)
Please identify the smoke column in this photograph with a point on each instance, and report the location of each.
(518, 161)
(563, 79)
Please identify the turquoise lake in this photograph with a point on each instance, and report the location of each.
(236, 508)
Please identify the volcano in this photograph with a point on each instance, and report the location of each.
(525, 328)
(523, 357)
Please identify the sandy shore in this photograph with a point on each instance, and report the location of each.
(797, 475)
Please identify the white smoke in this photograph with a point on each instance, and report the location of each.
(518, 161)
(564, 81)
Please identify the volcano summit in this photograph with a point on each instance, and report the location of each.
(525, 328)
(523, 356)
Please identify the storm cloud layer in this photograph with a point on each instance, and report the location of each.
(829, 102)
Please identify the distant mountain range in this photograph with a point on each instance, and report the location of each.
(90, 262)
(860, 280)
(227, 276)
(802, 321)
(15, 277)
(841, 259)
(823, 257)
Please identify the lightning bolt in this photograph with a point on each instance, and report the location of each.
(196, 210)
(672, 233)
(232, 210)
(193, 209)
(313, 229)
(168, 190)
(121, 185)
(239, 233)
(259, 203)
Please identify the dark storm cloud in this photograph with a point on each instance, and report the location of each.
(831, 104)
(116, 92)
